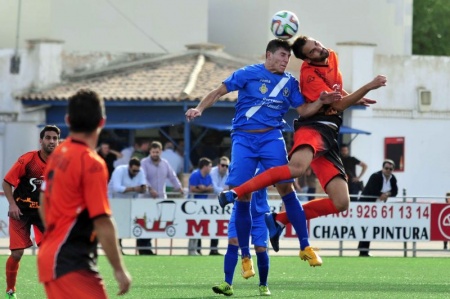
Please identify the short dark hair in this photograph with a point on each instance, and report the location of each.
(156, 144)
(204, 162)
(277, 43)
(50, 128)
(297, 47)
(85, 110)
(134, 162)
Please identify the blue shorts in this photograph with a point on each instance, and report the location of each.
(259, 232)
(249, 149)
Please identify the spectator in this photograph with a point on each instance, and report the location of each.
(127, 181)
(157, 171)
(355, 185)
(200, 184)
(380, 187)
(141, 148)
(109, 155)
(175, 161)
(447, 200)
(219, 175)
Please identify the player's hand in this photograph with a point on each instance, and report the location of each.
(192, 113)
(330, 97)
(377, 82)
(14, 212)
(365, 102)
(153, 193)
(123, 278)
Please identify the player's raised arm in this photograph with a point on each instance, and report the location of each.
(359, 94)
(206, 102)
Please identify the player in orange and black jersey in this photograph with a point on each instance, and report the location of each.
(75, 210)
(25, 177)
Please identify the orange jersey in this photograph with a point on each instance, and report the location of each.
(75, 193)
(26, 177)
(317, 78)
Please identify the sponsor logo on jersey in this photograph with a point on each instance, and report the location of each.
(263, 89)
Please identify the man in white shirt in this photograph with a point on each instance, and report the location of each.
(127, 181)
(219, 175)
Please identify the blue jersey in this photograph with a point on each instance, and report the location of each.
(263, 97)
(196, 179)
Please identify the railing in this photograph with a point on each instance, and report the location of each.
(188, 223)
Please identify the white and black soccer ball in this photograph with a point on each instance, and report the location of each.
(284, 24)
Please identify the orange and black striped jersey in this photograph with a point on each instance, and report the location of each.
(75, 193)
(317, 78)
(26, 176)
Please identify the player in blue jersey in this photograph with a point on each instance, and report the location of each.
(265, 93)
(260, 235)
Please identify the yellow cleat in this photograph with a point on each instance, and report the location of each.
(308, 254)
(247, 267)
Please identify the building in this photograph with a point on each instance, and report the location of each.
(147, 37)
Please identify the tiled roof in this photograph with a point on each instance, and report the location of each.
(173, 77)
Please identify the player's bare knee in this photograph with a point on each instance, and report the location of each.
(342, 205)
(260, 249)
(17, 254)
(233, 241)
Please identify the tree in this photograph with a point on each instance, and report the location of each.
(431, 27)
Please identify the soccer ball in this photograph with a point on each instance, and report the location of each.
(284, 24)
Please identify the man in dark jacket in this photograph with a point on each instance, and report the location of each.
(380, 187)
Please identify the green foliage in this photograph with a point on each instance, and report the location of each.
(431, 27)
(339, 277)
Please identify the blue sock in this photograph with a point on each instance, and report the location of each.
(243, 226)
(296, 215)
(229, 263)
(263, 267)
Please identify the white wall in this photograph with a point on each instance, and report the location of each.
(124, 26)
(243, 25)
(427, 170)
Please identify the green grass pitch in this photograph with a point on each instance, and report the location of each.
(289, 277)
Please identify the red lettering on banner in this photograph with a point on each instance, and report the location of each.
(202, 227)
(440, 222)
(222, 228)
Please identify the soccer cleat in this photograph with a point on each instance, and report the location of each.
(226, 197)
(309, 255)
(264, 291)
(224, 288)
(275, 230)
(11, 295)
(247, 267)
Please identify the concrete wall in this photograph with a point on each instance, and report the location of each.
(243, 25)
(116, 26)
(397, 114)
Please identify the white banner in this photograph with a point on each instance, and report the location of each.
(204, 218)
(375, 221)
